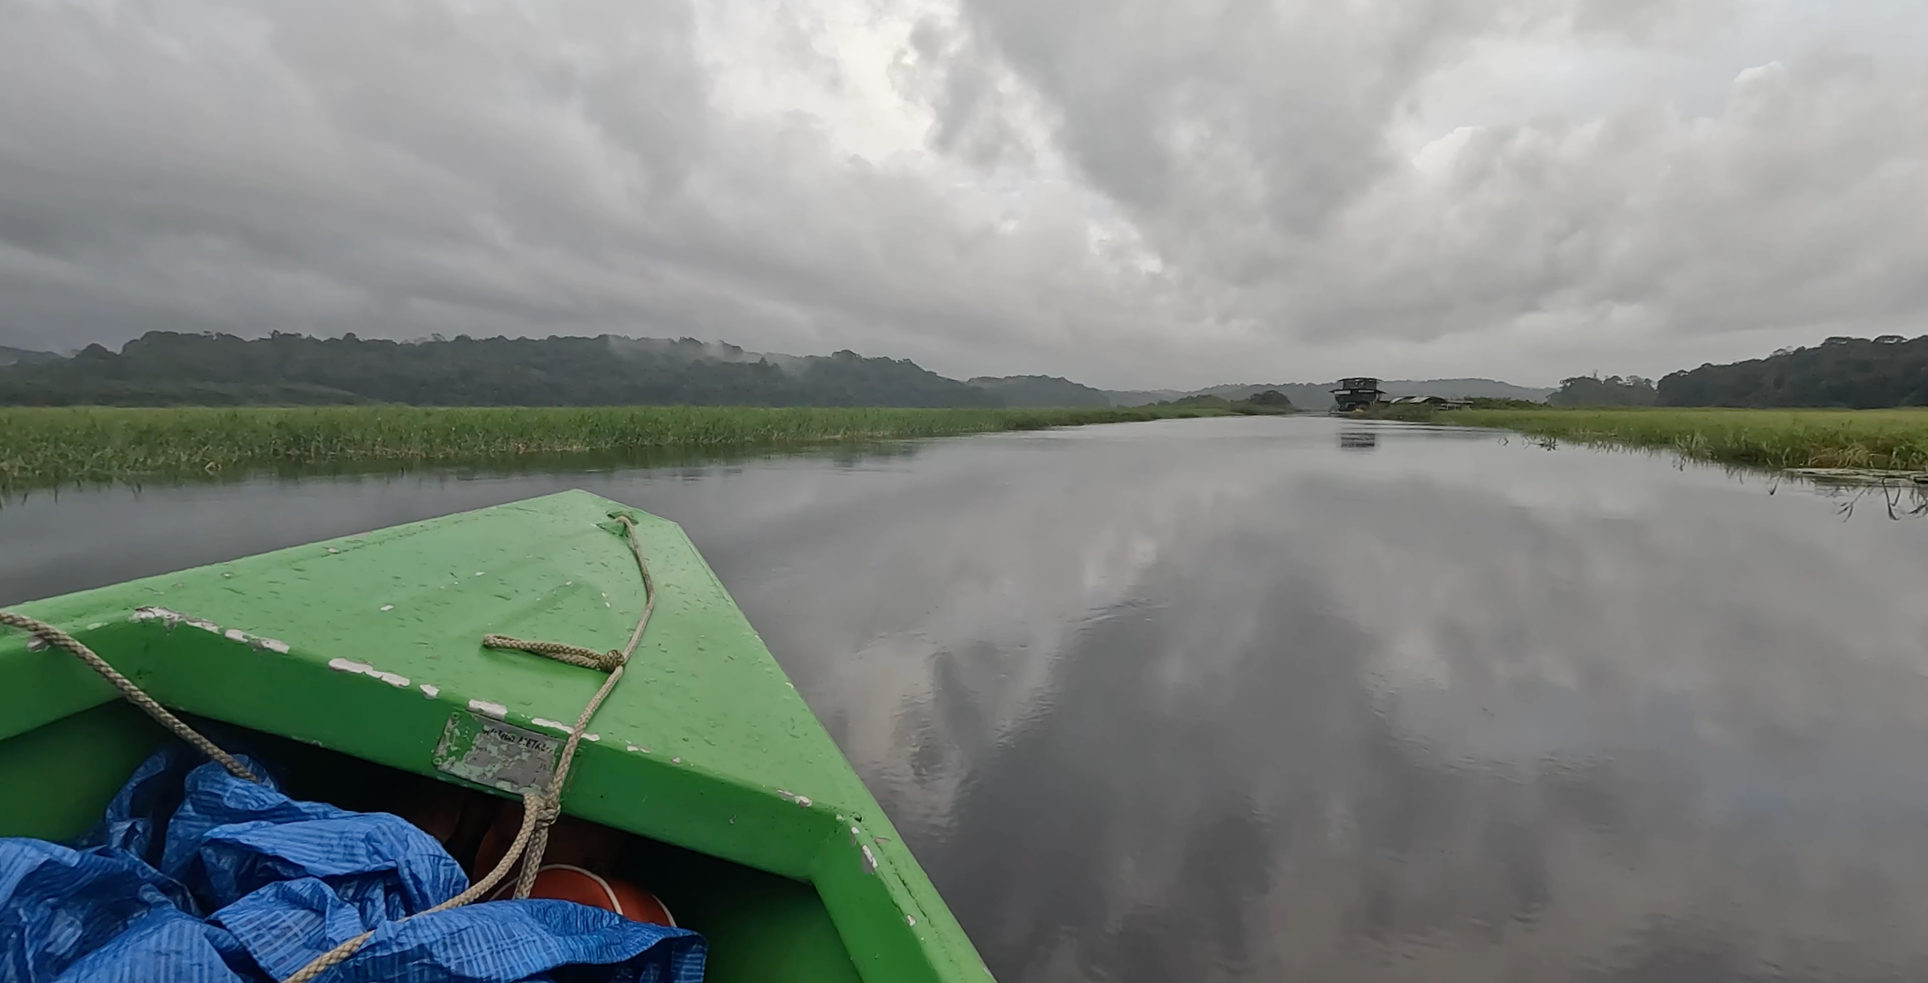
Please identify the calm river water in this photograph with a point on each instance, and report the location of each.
(1259, 699)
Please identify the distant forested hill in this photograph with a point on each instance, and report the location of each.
(1862, 373)
(1144, 397)
(1041, 390)
(10, 356)
(162, 368)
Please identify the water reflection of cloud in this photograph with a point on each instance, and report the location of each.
(966, 569)
(1256, 715)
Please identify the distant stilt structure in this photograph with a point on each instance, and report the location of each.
(1357, 394)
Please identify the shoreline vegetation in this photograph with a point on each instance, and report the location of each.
(43, 446)
(1885, 440)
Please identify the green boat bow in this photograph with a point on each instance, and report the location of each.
(370, 647)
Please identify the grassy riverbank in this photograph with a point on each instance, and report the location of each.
(41, 446)
(1894, 439)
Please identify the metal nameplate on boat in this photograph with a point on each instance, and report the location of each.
(499, 755)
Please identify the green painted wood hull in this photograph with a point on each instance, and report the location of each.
(369, 647)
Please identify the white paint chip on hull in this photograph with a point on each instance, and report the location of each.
(350, 665)
(487, 709)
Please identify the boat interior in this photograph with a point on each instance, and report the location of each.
(759, 926)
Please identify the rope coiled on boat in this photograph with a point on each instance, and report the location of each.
(539, 810)
(617, 660)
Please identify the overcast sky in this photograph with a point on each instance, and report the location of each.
(1130, 193)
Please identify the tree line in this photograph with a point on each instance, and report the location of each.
(1851, 373)
(167, 368)
(1857, 373)
(1589, 390)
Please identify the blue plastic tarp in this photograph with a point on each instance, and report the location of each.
(195, 876)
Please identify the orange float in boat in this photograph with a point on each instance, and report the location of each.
(571, 841)
(577, 850)
(567, 882)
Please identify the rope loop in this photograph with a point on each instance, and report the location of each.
(574, 655)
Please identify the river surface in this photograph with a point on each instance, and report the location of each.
(1263, 699)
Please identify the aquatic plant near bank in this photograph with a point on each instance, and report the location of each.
(47, 445)
(1876, 440)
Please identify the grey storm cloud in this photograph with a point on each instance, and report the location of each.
(1128, 193)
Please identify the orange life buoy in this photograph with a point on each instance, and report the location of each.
(567, 882)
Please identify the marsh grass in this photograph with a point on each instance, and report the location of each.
(47, 446)
(1881, 440)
